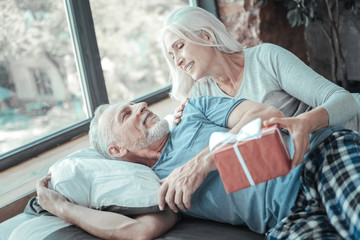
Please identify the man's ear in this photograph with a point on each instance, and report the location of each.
(206, 36)
(116, 151)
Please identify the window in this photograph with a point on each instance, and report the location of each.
(52, 66)
(51, 79)
(39, 84)
(43, 82)
(127, 34)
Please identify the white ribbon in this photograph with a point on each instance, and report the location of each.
(248, 132)
(243, 165)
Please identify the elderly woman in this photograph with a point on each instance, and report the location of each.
(204, 59)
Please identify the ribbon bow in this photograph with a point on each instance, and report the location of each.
(248, 132)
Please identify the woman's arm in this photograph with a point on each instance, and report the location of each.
(105, 225)
(303, 83)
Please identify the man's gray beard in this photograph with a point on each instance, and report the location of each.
(155, 133)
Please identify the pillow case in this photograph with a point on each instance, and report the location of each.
(89, 179)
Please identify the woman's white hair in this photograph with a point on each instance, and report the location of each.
(188, 23)
(101, 136)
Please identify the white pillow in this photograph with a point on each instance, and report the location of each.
(89, 179)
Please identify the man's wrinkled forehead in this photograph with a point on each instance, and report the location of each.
(109, 115)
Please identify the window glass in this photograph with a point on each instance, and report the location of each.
(128, 35)
(40, 91)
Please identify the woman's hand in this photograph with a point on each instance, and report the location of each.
(47, 198)
(300, 131)
(179, 112)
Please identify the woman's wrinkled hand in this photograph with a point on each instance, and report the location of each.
(47, 198)
(179, 112)
(300, 131)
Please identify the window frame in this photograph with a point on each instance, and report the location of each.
(209, 5)
(83, 39)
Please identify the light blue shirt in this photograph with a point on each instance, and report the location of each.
(259, 207)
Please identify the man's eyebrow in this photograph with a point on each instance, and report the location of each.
(122, 110)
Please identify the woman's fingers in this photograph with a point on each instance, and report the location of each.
(300, 135)
(301, 145)
(179, 112)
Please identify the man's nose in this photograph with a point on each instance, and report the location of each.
(141, 107)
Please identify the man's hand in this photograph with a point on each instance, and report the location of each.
(299, 129)
(49, 199)
(177, 188)
(179, 112)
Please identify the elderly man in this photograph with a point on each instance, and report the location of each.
(312, 201)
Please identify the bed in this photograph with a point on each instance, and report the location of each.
(86, 178)
(29, 227)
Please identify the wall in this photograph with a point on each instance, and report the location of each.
(319, 50)
(252, 25)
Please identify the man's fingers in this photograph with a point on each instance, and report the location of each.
(179, 200)
(161, 194)
(187, 200)
(43, 182)
(169, 198)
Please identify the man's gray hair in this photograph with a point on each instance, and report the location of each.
(189, 23)
(101, 136)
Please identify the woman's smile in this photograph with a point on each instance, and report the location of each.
(189, 66)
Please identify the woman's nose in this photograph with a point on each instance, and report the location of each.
(179, 60)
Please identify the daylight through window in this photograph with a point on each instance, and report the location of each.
(40, 89)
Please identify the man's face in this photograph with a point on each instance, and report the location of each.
(135, 126)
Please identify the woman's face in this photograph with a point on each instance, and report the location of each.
(191, 58)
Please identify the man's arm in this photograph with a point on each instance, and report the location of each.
(247, 111)
(177, 188)
(105, 225)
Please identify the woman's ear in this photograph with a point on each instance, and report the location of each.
(116, 151)
(206, 36)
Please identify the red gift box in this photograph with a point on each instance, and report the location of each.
(247, 163)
